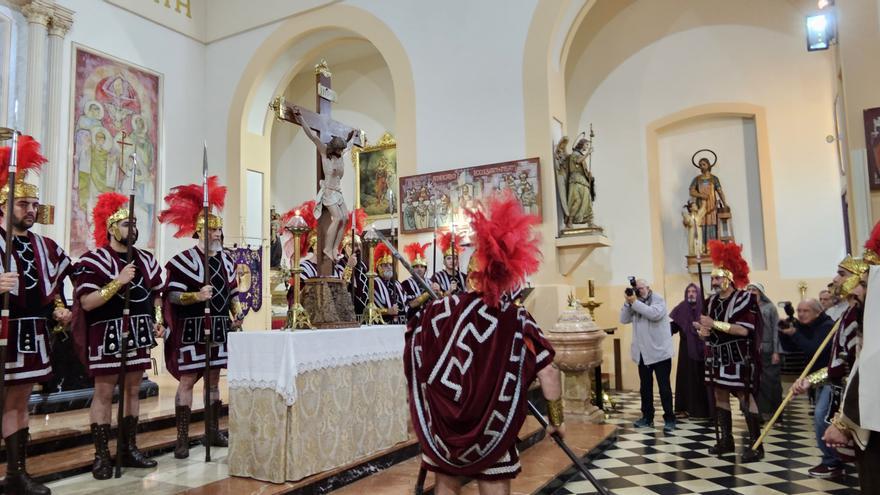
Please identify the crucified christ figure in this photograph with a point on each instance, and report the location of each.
(330, 193)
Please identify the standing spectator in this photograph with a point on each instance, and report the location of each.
(691, 394)
(652, 349)
(770, 391)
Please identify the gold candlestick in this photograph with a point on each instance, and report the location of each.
(297, 317)
(591, 303)
(372, 313)
(802, 287)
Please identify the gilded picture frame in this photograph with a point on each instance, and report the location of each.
(375, 168)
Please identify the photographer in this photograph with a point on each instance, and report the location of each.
(808, 330)
(652, 349)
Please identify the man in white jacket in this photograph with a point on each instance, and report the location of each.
(651, 349)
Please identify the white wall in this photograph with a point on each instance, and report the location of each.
(179, 59)
(710, 64)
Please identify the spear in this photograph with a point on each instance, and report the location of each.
(209, 335)
(126, 318)
(435, 240)
(7, 257)
(454, 257)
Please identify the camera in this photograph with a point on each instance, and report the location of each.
(631, 291)
(788, 308)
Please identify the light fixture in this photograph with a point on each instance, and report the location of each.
(820, 31)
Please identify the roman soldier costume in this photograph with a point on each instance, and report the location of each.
(354, 273)
(415, 295)
(468, 401)
(387, 294)
(42, 267)
(185, 344)
(733, 362)
(98, 332)
(444, 278)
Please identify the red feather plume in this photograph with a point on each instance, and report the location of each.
(415, 250)
(873, 242)
(108, 204)
(445, 240)
(29, 158)
(380, 251)
(507, 247)
(360, 221)
(728, 255)
(307, 212)
(185, 204)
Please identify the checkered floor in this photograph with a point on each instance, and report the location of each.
(645, 461)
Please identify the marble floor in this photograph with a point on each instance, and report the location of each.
(67, 423)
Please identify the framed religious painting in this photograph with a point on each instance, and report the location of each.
(872, 143)
(439, 200)
(115, 136)
(375, 168)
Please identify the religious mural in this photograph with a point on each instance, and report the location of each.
(376, 167)
(112, 97)
(441, 198)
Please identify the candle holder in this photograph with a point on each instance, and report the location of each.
(372, 313)
(297, 317)
(802, 288)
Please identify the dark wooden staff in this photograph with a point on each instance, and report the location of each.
(209, 335)
(7, 258)
(126, 320)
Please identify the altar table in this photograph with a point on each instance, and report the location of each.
(309, 401)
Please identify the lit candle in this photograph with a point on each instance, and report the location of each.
(592, 288)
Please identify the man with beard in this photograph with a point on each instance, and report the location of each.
(449, 279)
(387, 292)
(101, 277)
(732, 329)
(857, 424)
(350, 264)
(186, 296)
(831, 380)
(467, 401)
(34, 281)
(691, 395)
(415, 295)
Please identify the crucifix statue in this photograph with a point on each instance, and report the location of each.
(332, 139)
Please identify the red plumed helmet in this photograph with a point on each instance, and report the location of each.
(107, 206)
(728, 261)
(29, 159)
(185, 206)
(507, 246)
(381, 254)
(445, 242)
(416, 253)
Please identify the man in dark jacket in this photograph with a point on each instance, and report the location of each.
(809, 330)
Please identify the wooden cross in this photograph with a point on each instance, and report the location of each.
(320, 121)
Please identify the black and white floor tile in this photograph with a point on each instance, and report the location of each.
(646, 461)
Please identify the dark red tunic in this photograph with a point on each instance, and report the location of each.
(185, 345)
(734, 362)
(42, 266)
(97, 332)
(468, 368)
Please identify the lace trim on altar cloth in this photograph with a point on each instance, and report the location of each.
(289, 393)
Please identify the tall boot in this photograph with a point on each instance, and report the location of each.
(131, 456)
(18, 481)
(214, 435)
(724, 419)
(182, 414)
(753, 421)
(102, 468)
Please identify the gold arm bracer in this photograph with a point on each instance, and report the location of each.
(721, 326)
(346, 274)
(187, 298)
(160, 319)
(110, 290)
(818, 377)
(415, 303)
(554, 412)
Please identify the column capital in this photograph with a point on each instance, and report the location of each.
(37, 12)
(62, 20)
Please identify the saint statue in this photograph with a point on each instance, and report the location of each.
(575, 181)
(705, 190)
(330, 193)
(692, 218)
